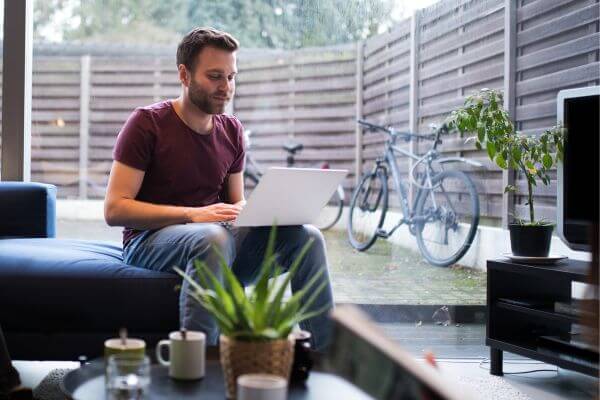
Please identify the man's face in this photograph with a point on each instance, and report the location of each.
(212, 83)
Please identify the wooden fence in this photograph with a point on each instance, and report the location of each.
(409, 77)
(556, 44)
(307, 96)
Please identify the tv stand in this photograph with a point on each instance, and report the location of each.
(521, 316)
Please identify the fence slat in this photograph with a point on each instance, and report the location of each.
(558, 25)
(460, 60)
(478, 10)
(396, 83)
(453, 42)
(534, 9)
(455, 82)
(300, 86)
(556, 80)
(568, 49)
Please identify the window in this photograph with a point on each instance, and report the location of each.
(307, 71)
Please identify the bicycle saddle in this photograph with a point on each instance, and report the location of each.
(293, 147)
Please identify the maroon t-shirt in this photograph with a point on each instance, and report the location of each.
(183, 168)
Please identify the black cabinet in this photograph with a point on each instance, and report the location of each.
(521, 316)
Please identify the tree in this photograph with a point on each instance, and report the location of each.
(124, 21)
(256, 23)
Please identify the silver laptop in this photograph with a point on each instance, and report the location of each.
(290, 196)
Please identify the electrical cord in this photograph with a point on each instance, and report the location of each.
(514, 362)
(487, 360)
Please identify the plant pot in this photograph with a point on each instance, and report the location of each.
(240, 357)
(530, 240)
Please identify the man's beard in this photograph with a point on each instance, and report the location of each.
(204, 101)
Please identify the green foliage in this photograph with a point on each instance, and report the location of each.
(483, 113)
(256, 23)
(262, 314)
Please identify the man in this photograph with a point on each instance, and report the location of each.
(177, 176)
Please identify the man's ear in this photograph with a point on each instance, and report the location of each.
(184, 75)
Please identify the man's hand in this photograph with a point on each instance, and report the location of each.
(214, 213)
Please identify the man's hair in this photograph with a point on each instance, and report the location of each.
(192, 44)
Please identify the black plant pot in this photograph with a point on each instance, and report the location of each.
(529, 240)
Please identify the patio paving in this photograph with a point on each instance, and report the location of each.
(389, 274)
(386, 274)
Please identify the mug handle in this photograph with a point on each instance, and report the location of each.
(159, 346)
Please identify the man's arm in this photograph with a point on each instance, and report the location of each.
(235, 188)
(121, 208)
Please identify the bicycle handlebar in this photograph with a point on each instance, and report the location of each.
(372, 126)
(394, 133)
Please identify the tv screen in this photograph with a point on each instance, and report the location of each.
(580, 178)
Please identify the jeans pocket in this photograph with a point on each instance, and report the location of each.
(132, 245)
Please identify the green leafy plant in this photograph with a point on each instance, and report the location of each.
(484, 114)
(262, 313)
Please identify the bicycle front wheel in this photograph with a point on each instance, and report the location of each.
(446, 217)
(367, 210)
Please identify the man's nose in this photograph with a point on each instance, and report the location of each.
(227, 85)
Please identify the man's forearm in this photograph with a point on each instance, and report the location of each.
(141, 215)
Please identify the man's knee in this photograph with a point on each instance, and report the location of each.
(310, 232)
(316, 256)
(213, 240)
(314, 233)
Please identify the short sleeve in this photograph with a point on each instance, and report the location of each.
(238, 163)
(135, 142)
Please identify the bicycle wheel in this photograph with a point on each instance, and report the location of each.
(337, 202)
(448, 215)
(367, 210)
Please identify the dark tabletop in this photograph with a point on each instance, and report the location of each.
(87, 383)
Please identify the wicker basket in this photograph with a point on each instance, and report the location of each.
(246, 357)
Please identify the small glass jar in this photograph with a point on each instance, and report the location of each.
(127, 376)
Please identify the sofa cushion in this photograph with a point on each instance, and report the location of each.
(28, 210)
(75, 285)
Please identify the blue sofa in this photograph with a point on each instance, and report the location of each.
(60, 299)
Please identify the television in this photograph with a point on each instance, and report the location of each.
(577, 174)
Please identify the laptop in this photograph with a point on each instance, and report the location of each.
(362, 354)
(290, 196)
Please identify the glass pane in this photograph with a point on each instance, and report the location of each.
(307, 72)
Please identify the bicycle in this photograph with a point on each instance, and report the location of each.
(253, 173)
(445, 211)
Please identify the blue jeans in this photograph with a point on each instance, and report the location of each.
(243, 250)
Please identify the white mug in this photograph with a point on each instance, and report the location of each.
(186, 354)
(261, 387)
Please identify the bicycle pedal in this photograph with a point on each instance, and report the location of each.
(382, 233)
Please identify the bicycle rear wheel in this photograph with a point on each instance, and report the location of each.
(367, 209)
(337, 203)
(448, 215)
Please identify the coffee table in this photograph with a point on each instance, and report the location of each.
(87, 383)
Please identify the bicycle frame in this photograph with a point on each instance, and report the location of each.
(391, 150)
(389, 162)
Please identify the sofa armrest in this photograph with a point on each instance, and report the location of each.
(27, 209)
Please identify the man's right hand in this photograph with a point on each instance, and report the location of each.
(214, 213)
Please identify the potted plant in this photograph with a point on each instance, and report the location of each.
(532, 155)
(255, 325)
